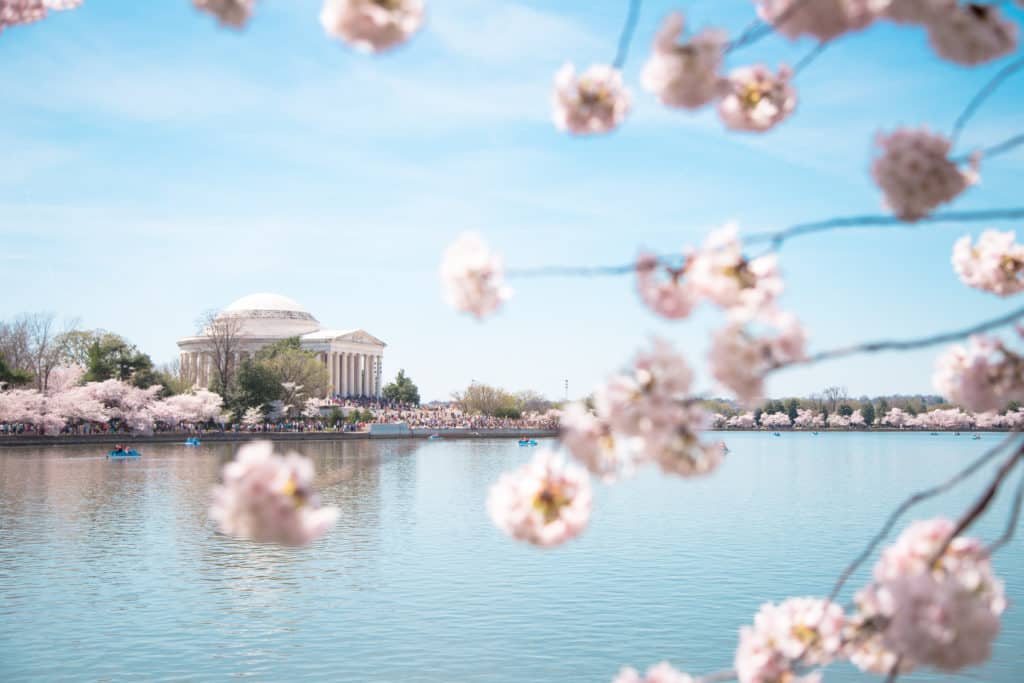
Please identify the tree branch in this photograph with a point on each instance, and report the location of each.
(981, 96)
(626, 37)
(1011, 524)
(907, 344)
(910, 502)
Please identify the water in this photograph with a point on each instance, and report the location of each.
(111, 570)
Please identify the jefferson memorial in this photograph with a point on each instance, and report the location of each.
(353, 358)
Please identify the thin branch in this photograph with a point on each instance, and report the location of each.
(908, 344)
(1004, 146)
(983, 501)
(982, 95)
(777, 238)
(1011, 524)
(806, 60)
(758, 29)
(894, 672)
(626, 37)
(910, 502)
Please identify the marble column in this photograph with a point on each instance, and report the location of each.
(379, 371)
(343, 364)
(362, 374)
(331, 374)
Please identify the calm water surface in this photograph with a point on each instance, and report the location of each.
(111, 570)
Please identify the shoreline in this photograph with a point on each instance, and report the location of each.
(231, 437)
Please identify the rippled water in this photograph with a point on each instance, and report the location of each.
(112, 571)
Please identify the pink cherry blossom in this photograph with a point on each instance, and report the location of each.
(545, 502)
(15, 12)
(720, 272)
(807, 630)
(757, 100)
(372, 25)
(62, 5)
(972, 33)
(684, 74)
(865, 643)
(995, 264)
(473, 277)
(857, 419)
(659, 673)
(741, 421)
(837, 421)
(270, 498)
(982, 376)
(595, 102)
(823, 19)
(916, 174)
(683, 453)
(671, 296)
(739, 359)
(775, 421)
(591, 441)
(918, 11)
(233, 13)
(806, 418)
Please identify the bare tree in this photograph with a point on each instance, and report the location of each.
(14, 344)
(223, 333)
(833, 395)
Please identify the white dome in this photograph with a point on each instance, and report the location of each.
(271, 315)
(263, 301)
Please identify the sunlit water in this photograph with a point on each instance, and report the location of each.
(112, 571)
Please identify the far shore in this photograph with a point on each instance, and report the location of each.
(229, 437)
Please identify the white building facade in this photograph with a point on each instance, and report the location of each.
(353, 358)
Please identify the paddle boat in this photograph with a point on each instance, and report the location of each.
(815, 433)
(976, 437)
(434, 437)
(192, 441)
(527, 442)
(119, 453)
(935, 434)
(776, 434)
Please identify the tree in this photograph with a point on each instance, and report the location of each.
(485, 400)
(532, 402)
(291, 364)
(845, 410)
(791, 408)
(222, 333)
(867, 409)
(75, 345)
(257, 386)
(833, 395)
(9, 375)
(757, 415)
(402, 390)
(111, 356)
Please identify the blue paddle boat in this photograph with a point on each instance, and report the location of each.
(434, 437)
(124, 453)
(192, 441)
(527, 442)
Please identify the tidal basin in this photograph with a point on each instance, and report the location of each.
(112, 570)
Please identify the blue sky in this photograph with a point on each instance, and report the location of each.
(158, 166)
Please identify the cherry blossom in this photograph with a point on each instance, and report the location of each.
(836, 420)
(739, 359)
(372, 25)
(62, 5)
(775, 420)
(741, 421)
(982, 376)
(939, 610)
(720, 272)
(857, 419)
(15, 12)
(592, 442)
(806, 629)
(918, 11)
(808, 418)
(671, 297)
(684, 75)
(270, 498)
(972, 33)
(823, 19)
(756, 100)
(545, 502)
(896, 417)
(659, 673)
(473, 277)
(253, 417)
(233, 13)
(916, 174)
(995, 264)
(595, 102)
(683, 453)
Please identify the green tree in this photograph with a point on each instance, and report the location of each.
(791, 408)
(867, 409)
(883, 407)
(845, 410)
(9, 375)
(757, 415)
(508, 411)
(111, 356)
(484, 399)
(291, 363)
(402, 390)
(257, 385)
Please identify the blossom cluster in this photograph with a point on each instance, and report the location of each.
(659, 673)
(798, 631)
(18, 12)
(66, 401)
(982, 376)
(270, 498)
(473, 277)
(994, 264)
(545, 502)
(916, 174)
(935, 601)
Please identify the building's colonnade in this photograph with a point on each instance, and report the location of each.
(351, 374)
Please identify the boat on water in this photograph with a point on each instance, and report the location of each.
(976, 437)
(192, 441)
(956, 433)
(776, 434)
(118, 454)
(434, 437)
(527, 442)
(935, 433)
(814, 433)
